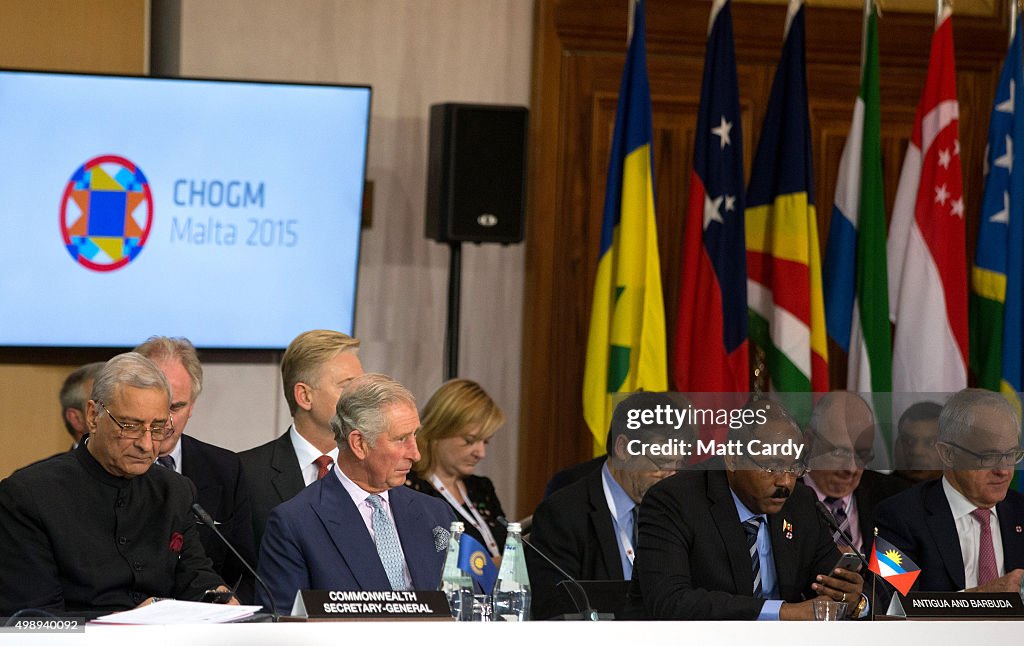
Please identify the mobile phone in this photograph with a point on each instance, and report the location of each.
(848, 561)
(217, 596)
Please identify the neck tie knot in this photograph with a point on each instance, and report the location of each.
(323, 465)
(166, 461)
(982, 515)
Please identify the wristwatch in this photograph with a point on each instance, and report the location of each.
(858, 609)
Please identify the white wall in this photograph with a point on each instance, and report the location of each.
(414, 53)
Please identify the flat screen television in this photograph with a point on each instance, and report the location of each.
(225, 211)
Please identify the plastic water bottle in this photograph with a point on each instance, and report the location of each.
(512, 590)
(455, 583)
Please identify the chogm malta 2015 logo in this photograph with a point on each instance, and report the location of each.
(106, 213)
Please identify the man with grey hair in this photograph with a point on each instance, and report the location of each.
(73, 395)
(964, 529)
(216, 472)
(97, 529)
(358, 528)
(840, 440)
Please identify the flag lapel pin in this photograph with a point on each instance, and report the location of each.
(787, 529)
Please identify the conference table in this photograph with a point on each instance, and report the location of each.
(739, 633)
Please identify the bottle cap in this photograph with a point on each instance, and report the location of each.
(457, 526)
(515, 527)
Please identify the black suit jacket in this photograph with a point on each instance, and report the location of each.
(273, 476)
(217, 475)
(571, 474)
(920, 522)
(692, 560)
(574, 527)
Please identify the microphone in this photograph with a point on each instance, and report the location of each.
(587, 612)
(830, 520)
(206, 519)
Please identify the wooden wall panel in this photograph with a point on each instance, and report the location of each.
(579, 51)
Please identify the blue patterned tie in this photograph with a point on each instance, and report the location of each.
(386, 537)
(750, 527)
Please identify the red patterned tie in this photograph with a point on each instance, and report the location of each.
(986, 552)
(323, 465)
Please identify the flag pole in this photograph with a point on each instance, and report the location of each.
(1014, 12)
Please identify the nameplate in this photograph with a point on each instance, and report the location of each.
(336, 605)
(943, 605)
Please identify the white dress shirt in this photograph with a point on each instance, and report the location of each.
(307, 455)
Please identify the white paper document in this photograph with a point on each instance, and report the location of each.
(172, 611)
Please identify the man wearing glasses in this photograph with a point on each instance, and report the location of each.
(964, 530)
(98, 529)
(740, 539)
(840, 438)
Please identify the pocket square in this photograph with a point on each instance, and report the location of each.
(441, 538)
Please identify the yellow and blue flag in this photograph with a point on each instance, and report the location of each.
(626, 344)
(476, 562)
(997, 279)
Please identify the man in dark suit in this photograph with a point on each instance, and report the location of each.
(359, 528)
(840, 441)
(100, 528)
(745, 542)
(74, 392)
(965, 530)
(314, 369)
(216, 472)
(588, 527)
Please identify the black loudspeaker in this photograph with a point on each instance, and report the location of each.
(476, 173)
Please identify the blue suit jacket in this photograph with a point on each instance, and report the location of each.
(318, 541)
(920, 522)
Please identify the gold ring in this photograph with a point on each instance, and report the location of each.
(843, 600)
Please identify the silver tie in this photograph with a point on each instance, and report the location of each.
(386, 537)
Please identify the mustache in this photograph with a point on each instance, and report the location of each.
(781, 492)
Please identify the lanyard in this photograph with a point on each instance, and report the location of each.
(625, 540)
(472, 516)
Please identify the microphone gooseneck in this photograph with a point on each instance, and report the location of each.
(205, 518)
(830, 520)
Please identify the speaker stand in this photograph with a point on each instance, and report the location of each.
(451, 339)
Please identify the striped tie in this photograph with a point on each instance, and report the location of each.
(838, 509)
(388, 548)
(751, 527)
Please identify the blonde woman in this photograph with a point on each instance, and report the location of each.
(457, 423)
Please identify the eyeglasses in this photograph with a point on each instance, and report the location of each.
(797, 469)
(135, 431)
(991, 460)
(841, 454)
(666, 463)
